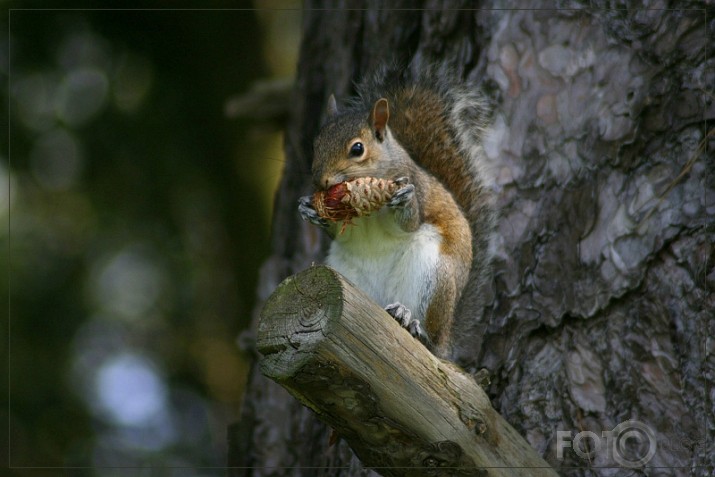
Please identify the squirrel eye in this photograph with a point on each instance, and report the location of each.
(357, 149)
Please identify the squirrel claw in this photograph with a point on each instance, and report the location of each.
(400, 313)
(415, 329)
(402, 196)
(404, 317)
(402, 181)
(308, 212)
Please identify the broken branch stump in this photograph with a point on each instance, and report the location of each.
(403, 411)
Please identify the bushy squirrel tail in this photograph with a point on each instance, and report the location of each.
(441, 123)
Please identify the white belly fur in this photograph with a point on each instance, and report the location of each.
(387, 263)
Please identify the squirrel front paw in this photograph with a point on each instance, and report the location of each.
(308, 212)
(403, 195)
(404, 317)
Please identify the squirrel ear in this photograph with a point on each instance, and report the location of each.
(332, 106)
(379, 116)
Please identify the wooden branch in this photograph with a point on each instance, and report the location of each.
(402, 410)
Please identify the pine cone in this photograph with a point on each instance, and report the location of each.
(355, 198)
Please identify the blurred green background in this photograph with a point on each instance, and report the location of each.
(136, 215)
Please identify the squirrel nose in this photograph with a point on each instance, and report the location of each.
(328, 180)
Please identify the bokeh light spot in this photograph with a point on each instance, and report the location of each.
(129, 390)
(132, 82)
(56, 160)
(81, 96)
(129, 284)
(34, 95)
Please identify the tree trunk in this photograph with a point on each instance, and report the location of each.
(602, 304)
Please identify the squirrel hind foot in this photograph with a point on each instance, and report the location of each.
(403, 316)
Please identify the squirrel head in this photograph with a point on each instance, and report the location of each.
(353, 144)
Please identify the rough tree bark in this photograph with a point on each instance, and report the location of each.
(602, 308)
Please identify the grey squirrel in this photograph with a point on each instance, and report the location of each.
(415, 255)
